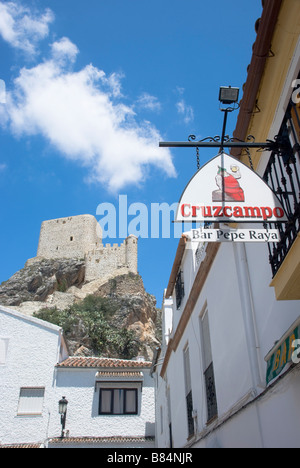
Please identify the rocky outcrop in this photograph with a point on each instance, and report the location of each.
(60, 283)
(136, 309)
(37, 281)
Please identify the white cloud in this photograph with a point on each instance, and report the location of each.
(21, 28)
(114, 84)
(78, 113)
(64, 49)
(2, 167)
(185, 111)
(146, 101)
(2, 92)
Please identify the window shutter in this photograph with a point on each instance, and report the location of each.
(31, 401)
(3, 350)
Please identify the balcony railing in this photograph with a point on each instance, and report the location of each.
(211, 397)
(189, 408)
(179, 290)
(282, 175)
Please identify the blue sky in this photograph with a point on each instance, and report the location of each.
(91, 88)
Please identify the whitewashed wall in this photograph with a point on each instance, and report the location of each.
(236, 382)
(33, 349)
(32, 352)
(80, 389)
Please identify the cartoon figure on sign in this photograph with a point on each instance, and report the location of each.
(229, 187)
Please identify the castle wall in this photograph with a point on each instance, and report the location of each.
(68, 237)
(111, 259)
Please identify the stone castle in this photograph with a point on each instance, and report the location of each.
(81, 237)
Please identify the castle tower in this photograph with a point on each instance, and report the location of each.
(131, 253)
(69, 237)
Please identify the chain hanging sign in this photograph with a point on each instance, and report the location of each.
(227, 191)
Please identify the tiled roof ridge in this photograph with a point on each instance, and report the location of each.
(104, 362)
(22, 446)
(117, 439)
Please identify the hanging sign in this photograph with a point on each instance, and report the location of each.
(233, 235)
(226, 190)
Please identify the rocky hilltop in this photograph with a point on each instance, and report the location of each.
(59, 284)
(37, 282)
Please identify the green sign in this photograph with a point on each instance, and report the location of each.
(283, 355)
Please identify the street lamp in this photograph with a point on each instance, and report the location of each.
(229, 95)
(62, 409)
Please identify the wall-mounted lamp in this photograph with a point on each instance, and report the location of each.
(229, 95)
(62, 409)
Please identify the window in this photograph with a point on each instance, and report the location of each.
(170, 417)
(3, 350)
(209, 377)
(31, 401)
(118, 401)
(189, 393)
(200, 253)
(179, 290)
(161, 420)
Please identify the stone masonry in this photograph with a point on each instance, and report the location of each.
(81, 237)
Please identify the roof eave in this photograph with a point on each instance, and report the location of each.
(261, 53)
(176, 265)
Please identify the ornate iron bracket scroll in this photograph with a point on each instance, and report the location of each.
(215, 142)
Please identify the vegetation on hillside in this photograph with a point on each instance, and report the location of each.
(89, 324)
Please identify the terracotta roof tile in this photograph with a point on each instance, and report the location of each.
(119, 374)
(22, 446)
(105, 363)
(102, 440)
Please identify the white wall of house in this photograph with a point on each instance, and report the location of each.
(239, 301)
(30, 350)
(271, 422)
(82, 390)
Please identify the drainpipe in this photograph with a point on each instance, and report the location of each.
(248, 315)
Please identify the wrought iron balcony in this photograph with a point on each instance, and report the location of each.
(211, 397)
(282, 175)
(179, 290)
(189, 407)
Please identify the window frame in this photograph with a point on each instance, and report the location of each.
(111, 412)
(188, 391)
(208, 368)
(4, 344)
(41, 401)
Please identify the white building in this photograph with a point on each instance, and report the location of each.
(228, 374)
(211, 371)
(29, 350)
(110, 401)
